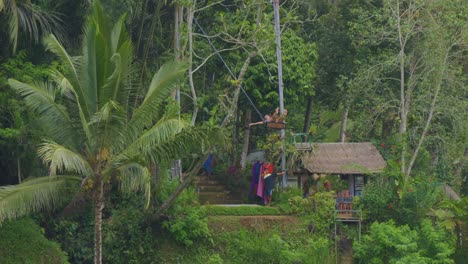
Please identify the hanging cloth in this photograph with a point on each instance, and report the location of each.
(253, 183)
(260, 187)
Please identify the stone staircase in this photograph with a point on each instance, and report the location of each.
(211, 191)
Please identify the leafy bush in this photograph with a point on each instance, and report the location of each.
(215, 259)
(416, 201)
(76, 237)
(388, 243)
(188, 221)
(240, 210)
(436, 243)
(23, 241)
(318, 209)
(127, 237)
(281, 198)
(378, 200)
(271, 247)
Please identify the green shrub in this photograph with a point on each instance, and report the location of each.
(388, 243)
(23, 241)
(416, 201)
(436, 243)
(75, 234)
(273, 247)
(215, 259)
(240, 210)
(378, 200)
(318, 209)
(280, 198)
(76, 238)
(188, 220)
(127, 237)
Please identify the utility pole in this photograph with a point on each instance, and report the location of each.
(280, 85)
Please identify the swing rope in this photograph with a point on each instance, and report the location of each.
(227, 67)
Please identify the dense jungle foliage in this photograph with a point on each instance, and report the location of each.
(109, 108)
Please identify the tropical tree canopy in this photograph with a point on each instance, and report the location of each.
(99, 124)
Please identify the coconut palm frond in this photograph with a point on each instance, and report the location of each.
(40, 98)
(163, 131)
(69, 65)
(162, 84)
(111, 87)
(135, 177)
(97, 64)
(62, 159)
(189, 141)
(31, 20)
(120, 52)
(107, 113)
(35, 195)
(69, 82)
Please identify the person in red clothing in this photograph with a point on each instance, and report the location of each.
(270, 180)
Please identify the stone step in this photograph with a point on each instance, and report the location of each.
(211, 188)
(203, 178)
(220, 201)
(207, 182)
(219, 198)
(214, 194)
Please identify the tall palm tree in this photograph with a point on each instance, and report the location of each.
(98, 128)
(30, 19)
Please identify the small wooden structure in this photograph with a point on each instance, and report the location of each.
(351, 161)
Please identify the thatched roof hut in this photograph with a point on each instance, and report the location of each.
(344, 158)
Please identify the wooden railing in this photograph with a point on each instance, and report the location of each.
(344, 205)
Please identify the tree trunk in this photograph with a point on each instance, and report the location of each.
(387, 127)
(344, 119)
(308, 115)
(98, 207)
(235, 99)
(190, 14)
(245, 144)
(438, 83)
(403, 110)
(176, 167)
(235, 139)
(19, 170)
(459, 167)
(140, 31)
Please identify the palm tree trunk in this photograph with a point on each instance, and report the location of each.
(98, 206)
